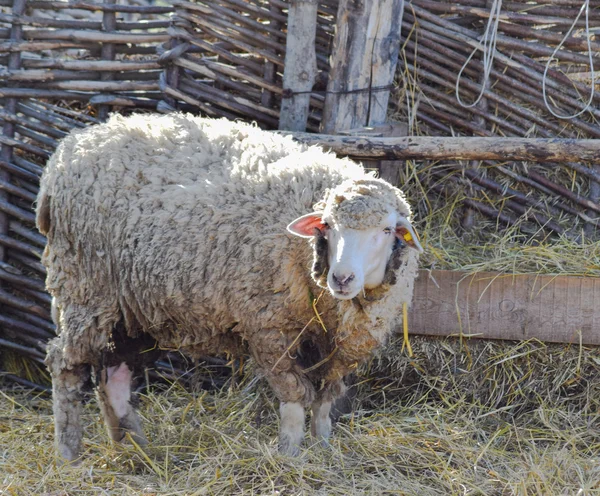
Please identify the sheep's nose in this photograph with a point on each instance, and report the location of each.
(343, 279)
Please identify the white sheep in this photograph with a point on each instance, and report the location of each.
(170, 232)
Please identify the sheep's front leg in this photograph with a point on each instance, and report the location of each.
(320, 425)
(67, 395)
(273, 353)
(291, 428)
(114, 393)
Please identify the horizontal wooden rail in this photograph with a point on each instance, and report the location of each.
(437, 148)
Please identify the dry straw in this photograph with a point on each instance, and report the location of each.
(490, 419)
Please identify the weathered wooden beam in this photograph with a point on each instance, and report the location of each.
(363, 63)
(386, 47)
(440, 148)
(270, 70)
(300, 65)
(492, 305)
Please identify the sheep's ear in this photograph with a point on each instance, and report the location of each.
(406, 233)
(305, 226)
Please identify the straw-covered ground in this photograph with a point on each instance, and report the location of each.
(457, 418)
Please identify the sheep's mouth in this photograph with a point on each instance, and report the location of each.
(342, 294)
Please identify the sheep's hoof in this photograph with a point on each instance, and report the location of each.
(68, 461)
(288, 448)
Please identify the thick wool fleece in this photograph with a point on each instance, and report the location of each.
(175, 226)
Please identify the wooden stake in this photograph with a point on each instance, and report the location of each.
(300, 65)
(109, 24)
(365, 53)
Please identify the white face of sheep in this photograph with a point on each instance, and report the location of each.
(357, 258)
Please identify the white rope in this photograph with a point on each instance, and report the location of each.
(488, 49)
(585, 7)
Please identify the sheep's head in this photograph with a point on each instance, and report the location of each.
(360, 230)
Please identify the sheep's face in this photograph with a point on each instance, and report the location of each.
(358, 256)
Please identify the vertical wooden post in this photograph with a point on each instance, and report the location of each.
(171, 75)
(365, 54)
(300, 65)
(109, 23)
(266, 99)
(10, 107)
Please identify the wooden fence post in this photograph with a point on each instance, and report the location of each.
(300, 65)
(270, 69)
(365, 54)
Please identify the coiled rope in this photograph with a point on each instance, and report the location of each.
(488, 49)
(584, 8)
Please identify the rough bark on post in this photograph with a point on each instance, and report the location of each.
(363, 64)
(300, 65)
(365, 54)
(10, 107)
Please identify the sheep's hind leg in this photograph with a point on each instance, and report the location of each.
(320, 425)
(114, 394)
(67, 395)
(291, 429)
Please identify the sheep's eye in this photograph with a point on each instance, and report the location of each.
(388, 230)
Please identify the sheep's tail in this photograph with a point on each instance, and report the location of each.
(42, 218)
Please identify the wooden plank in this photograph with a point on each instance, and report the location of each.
(300, 65)
(471, 148)
(490, 305)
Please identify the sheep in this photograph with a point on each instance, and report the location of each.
(186, 233)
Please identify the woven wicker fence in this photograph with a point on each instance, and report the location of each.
(439, 37)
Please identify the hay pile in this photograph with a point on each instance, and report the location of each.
(476, 418)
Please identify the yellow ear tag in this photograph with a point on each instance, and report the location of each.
(407, 237)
